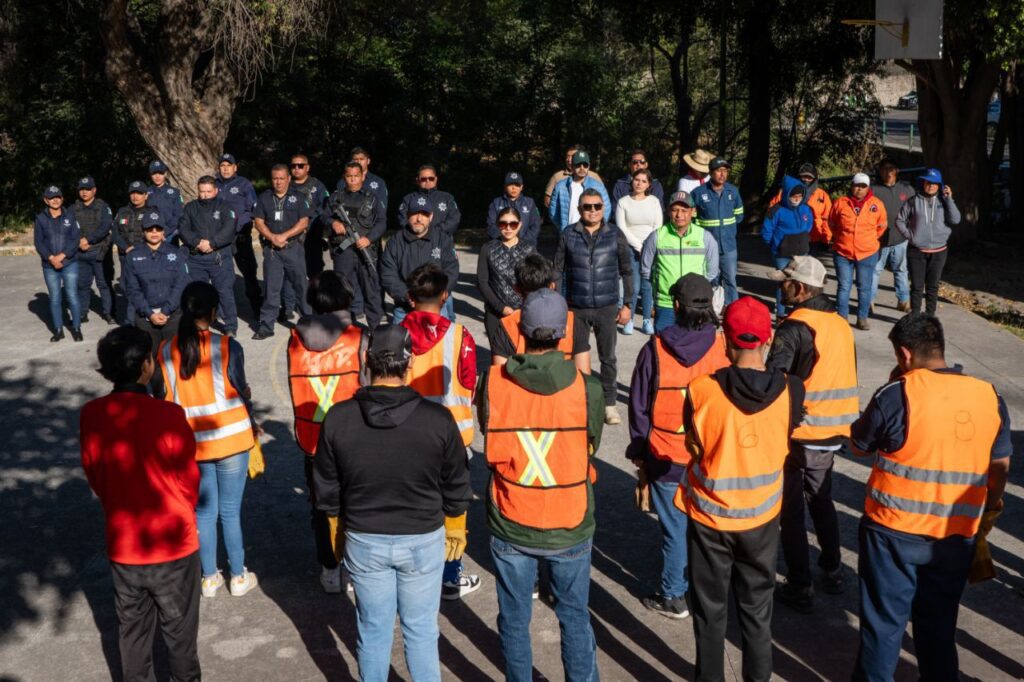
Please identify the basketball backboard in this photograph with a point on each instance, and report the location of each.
(908, 29)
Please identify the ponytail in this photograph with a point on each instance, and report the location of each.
(199, 301)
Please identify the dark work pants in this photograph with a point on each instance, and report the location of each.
(314, 247)
(925, 273)
(909, 577)
(108, 268)
(492, 326)
(245, 259)
(365, 283)
(89, 269)
(129, 311)
(742, 562)
(602, 322)
(318, 522)
(158, 335)
(807, 480)
(282, 267)
(166, 592)
(217, 269)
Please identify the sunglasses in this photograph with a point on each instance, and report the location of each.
(639, 162)
(508, 223)
(153, 228)
(297, 165)
(428, 178)
(584, 165)
(591, 207)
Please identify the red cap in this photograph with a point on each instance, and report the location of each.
(747, 316)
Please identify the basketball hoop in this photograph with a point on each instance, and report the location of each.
(905, 29)
(896, 30)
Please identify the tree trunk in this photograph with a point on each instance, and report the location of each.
(757, 43)
(1013, 112)
(678, 64)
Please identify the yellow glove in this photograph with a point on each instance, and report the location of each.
(336, 531)
(982, 567)
(454, 537)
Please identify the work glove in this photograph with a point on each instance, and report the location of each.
(454, 537)
(642, 494)
(336, 531)
(982, 567)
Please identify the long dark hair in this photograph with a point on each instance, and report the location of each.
(199, 301)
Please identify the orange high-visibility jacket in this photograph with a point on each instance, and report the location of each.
(435, 376)
(538, 451)
(319, 379)
(214, 409)
(831, 400)
(511, 325)
(667, 437)
(820, 204)
(737, 483)
(936, 484)
(855, 235)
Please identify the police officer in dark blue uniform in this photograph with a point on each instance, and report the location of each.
(207, 230)
(56, 238)
(128, 235)
(281, 217)
(446, 211)
(514, 198)
(316, 194)
(371, 181)
(357, 225)
(165, 198)
(94, 222)
(240, 196)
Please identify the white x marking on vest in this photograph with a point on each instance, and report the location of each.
(537, 449)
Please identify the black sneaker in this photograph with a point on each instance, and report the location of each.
(262, 334)
(57, 337)
(798, 598)
(670, 607)
(285, 317)
(231, 333)
(85, 317)
(109, 319)
(76, 334)
(834, 582)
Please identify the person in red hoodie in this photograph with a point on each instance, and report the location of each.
(139, 456)
(444, 371)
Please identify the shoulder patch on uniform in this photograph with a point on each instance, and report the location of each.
(442, 206)
(291, 199)
(172, 257)
(436, 252)
(374, 184)
(233, 190)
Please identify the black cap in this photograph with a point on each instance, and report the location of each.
(157, 166)
(692, 291)
(808, 169)
(513, 178)
(230, 158)
(391, 338)
(52, 192)
(544, 309)
(718, 162)
(87, 183)
(137, 187)
(151, 219)
(421, 204)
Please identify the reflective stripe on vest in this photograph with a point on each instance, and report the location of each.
(537, 448)
(435, 377)
(666, 439)
(675, 256)
(936, 484)
(320, 379)
(736, 484)
(511, 325)
(213, 407)
(830, 401)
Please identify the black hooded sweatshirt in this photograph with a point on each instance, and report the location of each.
(392, 463)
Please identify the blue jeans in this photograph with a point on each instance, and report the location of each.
(865, 271)
(515, 573)
(221, 484)
(673, 538)
(780, 308)
(663, 317)
(905, 577)
(894, 258)
(727, 275)
(68, 276)
(641, 289)
(396, 574)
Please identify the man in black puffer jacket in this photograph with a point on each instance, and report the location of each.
(593, 256)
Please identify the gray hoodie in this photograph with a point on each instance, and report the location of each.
(928, 221)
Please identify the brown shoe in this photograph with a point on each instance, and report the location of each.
(862, 323)
(903, 306)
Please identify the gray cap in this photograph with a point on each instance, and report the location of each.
(544, 309)
(391, 338)
(683, 198)
(806, 269)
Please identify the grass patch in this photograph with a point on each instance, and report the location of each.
(1010, 320)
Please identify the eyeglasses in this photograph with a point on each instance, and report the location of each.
(508, 223)
(638, 162)
(428, 178)
(297, 165)
(591, 207)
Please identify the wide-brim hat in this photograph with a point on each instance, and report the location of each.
(698, 160)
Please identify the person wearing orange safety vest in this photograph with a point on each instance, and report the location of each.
(815, 345)
(325, 366)
(204, 372)
(542, 419)
(666, 365)
(816, 198)
(443, 371)
(738, 423)
(941, 446)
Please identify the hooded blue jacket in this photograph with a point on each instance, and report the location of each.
(784, 222)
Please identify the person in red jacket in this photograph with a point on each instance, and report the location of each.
(857, 222)
(139, 456)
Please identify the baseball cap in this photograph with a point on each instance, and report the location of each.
(52, 191)
(747, 316)
(861, 179)
(137, 187)
(230, 158)
(544, 309)
(391, 338)
(681, 197)
(805, 269)
(513, 178)
(808, 169)
(718, 162)
(421, 204)
(692, 291)
(931, 175)
(580, 157)
(87, 183)
(157, 166)
(151, 219)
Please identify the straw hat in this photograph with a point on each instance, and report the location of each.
(698, 160)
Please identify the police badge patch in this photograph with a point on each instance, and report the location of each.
(436, 253)
(233, 190)
(421, 201)
(291, 199)
(442, 206)
(172, 257)
(374, 185)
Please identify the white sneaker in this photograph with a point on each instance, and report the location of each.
(212, 583)
(466, 584)
(611, 415)
(330, 579)
(241, 584)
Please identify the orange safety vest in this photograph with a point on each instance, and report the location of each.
(737, 484)
(666, 439)
(319, 379)
(213, 407)
(936, 484)
(435, 376)
(511, 325)
(538, 451)
(831, 390)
